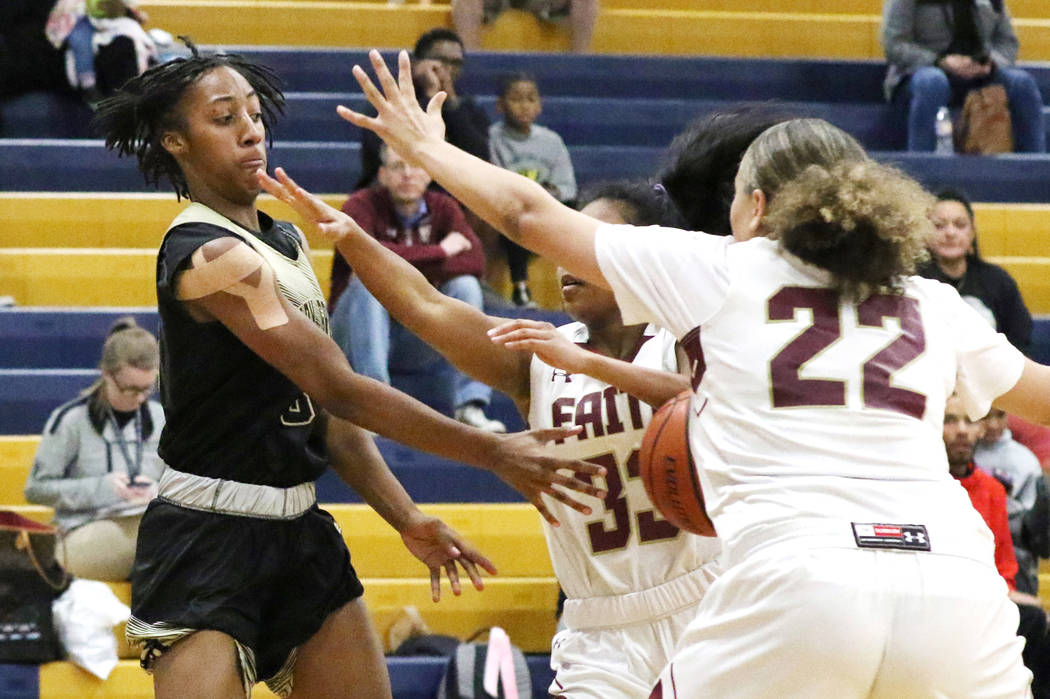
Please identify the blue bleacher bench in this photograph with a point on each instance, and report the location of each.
(711, 77)
(84, 165)
(57, 338)
(411, 677)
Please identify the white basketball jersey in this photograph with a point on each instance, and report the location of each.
(811, 414)
(625, 545)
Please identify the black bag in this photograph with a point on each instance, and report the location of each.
(30, 580)
(465, 676)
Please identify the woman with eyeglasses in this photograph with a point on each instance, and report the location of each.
(97, 462)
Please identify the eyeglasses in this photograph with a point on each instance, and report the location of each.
(132, 390)
(400, 167)
(450, 61)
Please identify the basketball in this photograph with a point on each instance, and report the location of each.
(667, 468)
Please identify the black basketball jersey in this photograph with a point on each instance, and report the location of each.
(231, 415)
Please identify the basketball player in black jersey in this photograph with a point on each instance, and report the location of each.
(238, 575)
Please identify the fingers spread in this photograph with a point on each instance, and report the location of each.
(435, 584)
(404, 74)
(475, 575)
(537, 502)
(383, 74)
(553, 433)
(272, 186)
(472, 558)
(436, 102)
(287, 180)
(372, 93)
(565, 499)
(453, 577)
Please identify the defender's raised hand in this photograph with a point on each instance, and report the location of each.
(330, 222)
(399, 120)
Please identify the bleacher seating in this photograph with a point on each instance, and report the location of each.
(733, 28)
(411, 677)
(137, 220)
(329, 166)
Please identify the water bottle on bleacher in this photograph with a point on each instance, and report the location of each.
(942, 127)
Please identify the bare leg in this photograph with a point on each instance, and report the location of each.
(201, 666)
(466, 18)
(582, 16)
(343, 659)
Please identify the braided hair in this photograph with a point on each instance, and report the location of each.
(135, 118)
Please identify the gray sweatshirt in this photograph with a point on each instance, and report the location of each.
(73, 462)
(914, 34)
(541, 156)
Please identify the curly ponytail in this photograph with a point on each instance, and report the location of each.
(864, 222)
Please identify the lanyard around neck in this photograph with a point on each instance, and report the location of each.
(133, 466)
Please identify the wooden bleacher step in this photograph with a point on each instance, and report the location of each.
(681, 31)
(126, 277)
(510, 534)
(138, 220)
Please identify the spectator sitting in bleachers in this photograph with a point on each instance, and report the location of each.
(1027, 496)
(1035, 437)
(989, 498)
(49, 45)
(939, 50)
(97, 462)
(519, 144)
(27, 60)
(955, 260)
(427, 228)
(469, 15)
(437, 63)
(84, 28)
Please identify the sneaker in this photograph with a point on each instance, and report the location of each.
(521, 296)
(472, 414)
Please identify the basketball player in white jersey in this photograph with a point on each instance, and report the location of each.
(820, 371)
(632, 580)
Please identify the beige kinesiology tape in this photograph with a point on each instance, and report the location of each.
(227, 272)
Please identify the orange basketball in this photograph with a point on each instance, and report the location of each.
(667, 468)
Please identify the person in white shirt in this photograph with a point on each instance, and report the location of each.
(821, 365)
(633, 581)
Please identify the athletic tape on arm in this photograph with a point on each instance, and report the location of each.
(227, 272)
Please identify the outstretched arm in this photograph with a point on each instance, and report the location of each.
(243, 296)
(653, 386)
(520, 208)
(355, 457)
(1028, 397)
(455, 329)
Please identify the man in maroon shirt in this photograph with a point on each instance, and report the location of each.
(428, 229)
(989, 498)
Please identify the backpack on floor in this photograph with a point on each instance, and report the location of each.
(493, 670)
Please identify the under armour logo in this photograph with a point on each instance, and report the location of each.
(563, 374)
(915, 537)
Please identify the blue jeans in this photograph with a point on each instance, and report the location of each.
(377, 345)
(79, 42)
(929, 89)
